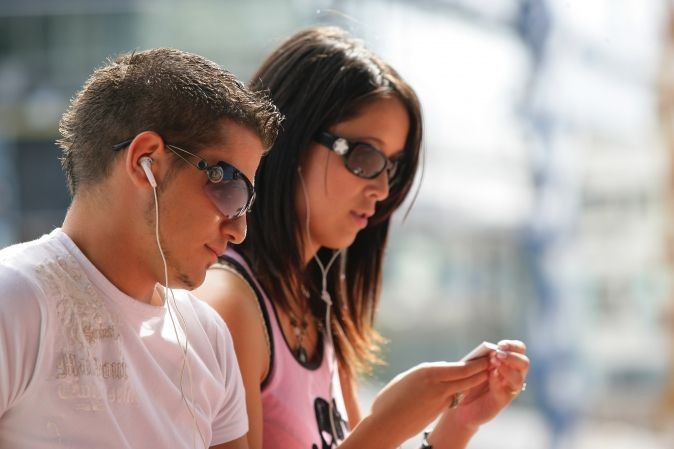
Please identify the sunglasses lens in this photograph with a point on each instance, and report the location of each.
(229, 196)
(366, 161)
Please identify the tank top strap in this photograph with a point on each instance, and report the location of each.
(302, 404)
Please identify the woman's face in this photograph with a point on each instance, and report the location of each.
(339, 203)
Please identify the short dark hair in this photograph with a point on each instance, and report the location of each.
(320, 77)
(182, 96)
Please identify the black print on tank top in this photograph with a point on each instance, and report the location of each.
(322, 410)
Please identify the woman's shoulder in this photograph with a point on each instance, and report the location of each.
(229, 294)
(234, 299)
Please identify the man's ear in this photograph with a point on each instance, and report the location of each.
(145, 158)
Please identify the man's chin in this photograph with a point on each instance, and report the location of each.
(187, 282)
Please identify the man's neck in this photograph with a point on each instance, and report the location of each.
(110, 249)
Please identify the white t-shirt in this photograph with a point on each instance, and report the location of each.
(82, 365)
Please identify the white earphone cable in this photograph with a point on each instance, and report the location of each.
(325, 297)
(185, 361)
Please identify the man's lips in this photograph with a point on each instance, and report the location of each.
(217, 252)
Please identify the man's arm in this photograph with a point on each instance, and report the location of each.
(21, 324)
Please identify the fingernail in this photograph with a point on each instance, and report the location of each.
(501, 355)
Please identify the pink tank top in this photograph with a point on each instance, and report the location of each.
(295, 396)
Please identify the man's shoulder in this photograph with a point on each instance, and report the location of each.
(21, 297)
(17, 262)
(208, 319)
(26, 254)
(24, 266)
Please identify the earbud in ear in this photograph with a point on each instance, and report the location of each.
(146, 163)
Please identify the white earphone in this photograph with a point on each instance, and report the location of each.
(146, 163)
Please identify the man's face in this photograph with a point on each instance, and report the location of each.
(193, 231)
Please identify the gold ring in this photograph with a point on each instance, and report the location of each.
(456, 400)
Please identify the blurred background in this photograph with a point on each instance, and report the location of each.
(544, 211)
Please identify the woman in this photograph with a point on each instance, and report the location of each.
(300, 294)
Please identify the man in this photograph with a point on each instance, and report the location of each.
(158, 150)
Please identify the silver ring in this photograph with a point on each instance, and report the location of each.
(516, 392)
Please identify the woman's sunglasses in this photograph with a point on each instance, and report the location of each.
(228, 188)
(360, 158)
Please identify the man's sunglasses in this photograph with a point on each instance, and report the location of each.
(360, 158)
(229, 189)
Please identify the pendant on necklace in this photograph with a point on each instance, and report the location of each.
(301, 354)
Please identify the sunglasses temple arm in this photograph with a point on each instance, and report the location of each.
(175, 150)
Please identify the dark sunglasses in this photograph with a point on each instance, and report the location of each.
(229, 189)
(360, 158)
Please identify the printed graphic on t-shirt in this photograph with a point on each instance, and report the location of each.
(325, 426)
(84, 324)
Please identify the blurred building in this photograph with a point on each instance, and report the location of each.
(48, 49)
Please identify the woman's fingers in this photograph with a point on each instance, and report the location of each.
(449, 379)
(511, 369)
(512, 346)
(461, 385)
(451, 371)
(512, 379)
(513, 385)
(513, 360)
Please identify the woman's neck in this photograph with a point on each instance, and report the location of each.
(310, 251)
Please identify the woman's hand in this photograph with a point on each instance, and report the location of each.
(416, 397)
(508, 368)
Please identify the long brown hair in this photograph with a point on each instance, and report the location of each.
(317, 78)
